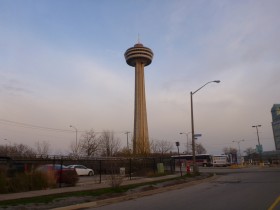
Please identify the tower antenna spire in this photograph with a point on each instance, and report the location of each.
(138, 38)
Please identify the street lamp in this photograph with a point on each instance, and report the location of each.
(187, 134)
(238, 142)
(259, 145)
(195, 169)
(71, 126)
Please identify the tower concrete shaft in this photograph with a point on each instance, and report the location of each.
(139, 57)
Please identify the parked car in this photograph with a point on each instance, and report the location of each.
(266, 163)
(62, 173)
(52, 167)
(82, 170)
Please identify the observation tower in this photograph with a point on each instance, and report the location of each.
(139, 57)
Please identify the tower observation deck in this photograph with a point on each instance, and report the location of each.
(139, 57)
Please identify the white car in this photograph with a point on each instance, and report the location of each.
(82, 170)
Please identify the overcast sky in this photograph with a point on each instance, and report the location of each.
(62, 62)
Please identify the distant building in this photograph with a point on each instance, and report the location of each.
(275, 112)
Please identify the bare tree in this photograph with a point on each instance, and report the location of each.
(249, 151)
(110, 145)
(42, 148)
(153, 146)
(161, 146)
(75, 150)
(124, 152)
(17, 150)
(200, 149)
(4, 150)
(229, 150)
(89, 144)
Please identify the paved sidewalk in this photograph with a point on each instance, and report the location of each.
(79, 187)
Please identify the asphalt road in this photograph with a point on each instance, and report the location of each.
(256, 189)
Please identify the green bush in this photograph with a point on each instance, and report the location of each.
(69, 177)
(18, 183)
(115, 180)
(23, 182)
(3, 182)
(40, 181)
(51, 179)
(151, 174)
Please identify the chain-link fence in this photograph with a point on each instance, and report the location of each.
(102, 167)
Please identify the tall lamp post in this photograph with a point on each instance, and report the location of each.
(195, 168)
(259, 145)
(127, 139)
(187, 134)
(238, 142)
(71, 126)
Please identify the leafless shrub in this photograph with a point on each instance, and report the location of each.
(116, 178)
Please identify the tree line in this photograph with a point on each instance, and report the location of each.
(92, 144)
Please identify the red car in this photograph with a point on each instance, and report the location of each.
(62, 173)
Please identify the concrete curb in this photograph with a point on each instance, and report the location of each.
(95, 204)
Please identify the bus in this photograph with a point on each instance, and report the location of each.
(201, 159)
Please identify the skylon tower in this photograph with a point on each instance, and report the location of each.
(139, 57)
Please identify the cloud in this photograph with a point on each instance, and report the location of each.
(13, 86)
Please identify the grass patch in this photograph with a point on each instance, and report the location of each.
(50, 198)
(93, 193)
(152, 174)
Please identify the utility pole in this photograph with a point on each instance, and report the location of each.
(76, 147)
(238, 142)
(127, 139)
(187, 134)
(259, 145)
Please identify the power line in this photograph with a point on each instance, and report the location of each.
(38, 127)
(26, 125)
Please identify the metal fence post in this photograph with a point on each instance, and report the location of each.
(172, 164)
(60, 172)
(130, 168)
(100, 171)
(154, 159)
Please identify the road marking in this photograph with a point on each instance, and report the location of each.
(274, 203)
